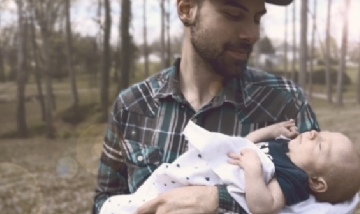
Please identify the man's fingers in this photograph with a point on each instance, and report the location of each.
(149, 207)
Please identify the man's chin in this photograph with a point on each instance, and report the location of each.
(235, 70)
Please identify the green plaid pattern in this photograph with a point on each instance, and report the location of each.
(150, 117)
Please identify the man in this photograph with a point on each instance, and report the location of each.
(210, 85)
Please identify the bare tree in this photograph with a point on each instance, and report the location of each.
(21, 73)
(146, 48)
(37, 68)
(286, 43)
(168, 45)
(342, 65)
(312, 50)
(46, 13)
(328, 54)
(162, 34)
(74, 93)
(106, 62)
(294, 43)
(125, 43)
(2, 68)
(303, 44)
(99, 43)
(358, 82)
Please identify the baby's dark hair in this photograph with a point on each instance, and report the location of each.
(343, 180)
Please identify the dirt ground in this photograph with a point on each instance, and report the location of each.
(58, 177)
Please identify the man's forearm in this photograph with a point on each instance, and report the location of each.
(110, 182)
(226, 203)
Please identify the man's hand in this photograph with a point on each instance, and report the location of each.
(189, 199)
(247, 159)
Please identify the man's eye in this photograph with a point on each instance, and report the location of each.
(257, 20)
(234, 16)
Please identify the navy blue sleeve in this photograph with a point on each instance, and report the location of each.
(294, 184)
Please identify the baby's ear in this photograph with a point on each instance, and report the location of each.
(318, 184)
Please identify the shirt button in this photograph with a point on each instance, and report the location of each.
(140, 158)
(182, 105)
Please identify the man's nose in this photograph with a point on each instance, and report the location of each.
(250, 32)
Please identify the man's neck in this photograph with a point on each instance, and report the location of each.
(198, 83)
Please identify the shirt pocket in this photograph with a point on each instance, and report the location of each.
(141, 160)
(141, 155)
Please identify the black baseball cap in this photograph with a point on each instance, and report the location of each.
(279, 2)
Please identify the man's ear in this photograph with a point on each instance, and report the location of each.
(186, 10)
(318, 184)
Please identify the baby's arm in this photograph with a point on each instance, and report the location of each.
(287, 129)
(260, 198)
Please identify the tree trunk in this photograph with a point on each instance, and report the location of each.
(21, 74)
(2, 68)
(162, 34)
(146, 48)
(303, 44)
(328, 55)
(342, 66)
(118, 55)
(25, 50)
(294, 43)
(312, 51)
(168, 45)
(74, 93)
(104, 95)
(37, 69)
(286, 44)
(358, 82)
(358, 97)
(50, 132)
(125, 43)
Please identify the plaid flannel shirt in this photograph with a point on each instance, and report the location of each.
(150, 117)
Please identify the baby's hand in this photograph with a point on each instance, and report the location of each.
(247, 159)
(287, 129)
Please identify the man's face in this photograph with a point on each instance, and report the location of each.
(224, 32)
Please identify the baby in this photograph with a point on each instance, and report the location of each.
(325, 164)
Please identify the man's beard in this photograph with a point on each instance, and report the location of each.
(213, 53)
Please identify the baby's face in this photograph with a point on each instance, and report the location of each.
(315, 152)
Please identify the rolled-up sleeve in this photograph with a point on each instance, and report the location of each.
(112, 173)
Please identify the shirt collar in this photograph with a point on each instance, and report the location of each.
(233, 92)
(169, 84)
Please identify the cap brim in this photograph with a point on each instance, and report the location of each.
(279, 2)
